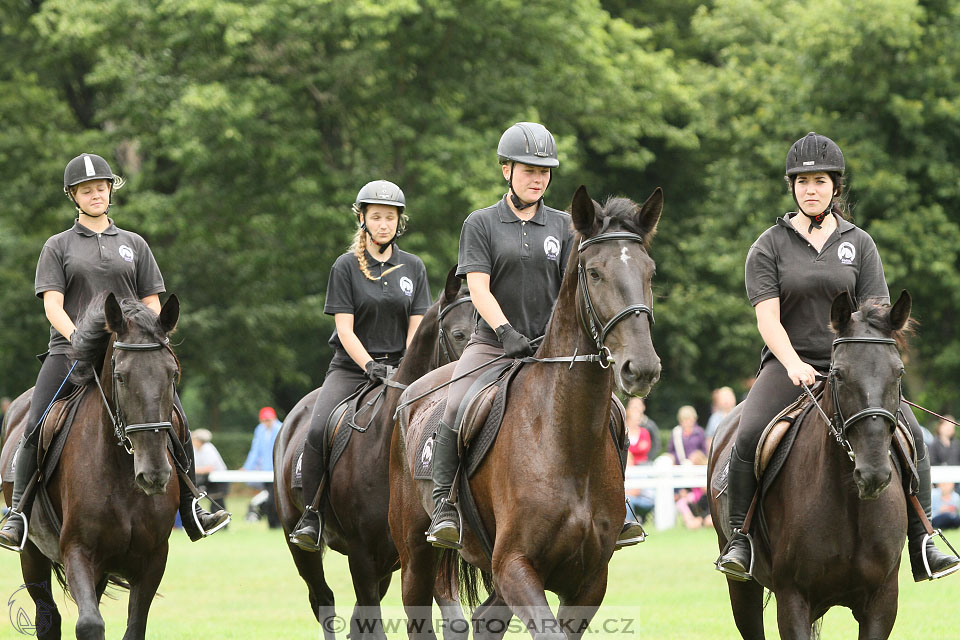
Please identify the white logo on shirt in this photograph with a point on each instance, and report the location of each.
(551, 247)
(126, 253)
(846, 252)
(406, 285)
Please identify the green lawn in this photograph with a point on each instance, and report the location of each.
(242, 584)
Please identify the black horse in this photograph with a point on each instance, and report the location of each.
(120, 533)
(358, 490)
(833, 530)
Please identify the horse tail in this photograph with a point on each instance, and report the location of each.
(464, 578)
(112, 581)
(815, 629)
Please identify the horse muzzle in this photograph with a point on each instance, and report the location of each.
(871, 482)
(637, 378)
(154, 482)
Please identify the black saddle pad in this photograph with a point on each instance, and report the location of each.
(423, 467)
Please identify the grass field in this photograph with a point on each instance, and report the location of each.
(241, 584)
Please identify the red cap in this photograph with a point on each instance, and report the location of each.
(267, 413)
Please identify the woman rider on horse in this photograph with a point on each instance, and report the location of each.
(75, 265)
(377, 295)
(513, 255)
(793, 272)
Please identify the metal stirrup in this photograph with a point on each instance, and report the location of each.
(926, 563)
(26, 527)
(435, 521)
(193, 510)
(740, 575)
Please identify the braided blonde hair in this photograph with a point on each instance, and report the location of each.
(359, 248)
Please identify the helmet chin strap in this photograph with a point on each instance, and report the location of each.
(517, 202)
(816, 221)
(363, 225)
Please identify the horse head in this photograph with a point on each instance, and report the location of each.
(144, 369)
(864, 384)
(456, 318)
(615, 295)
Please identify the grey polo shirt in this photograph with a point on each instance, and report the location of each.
(525, 262)
(782, 263)
(80, 263)
(381, 308)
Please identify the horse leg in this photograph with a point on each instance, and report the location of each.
(576, 613)
(455, 626)
(365, 622)
(522, 589)
(877, 615)
(101, 588)
(36, 569)
(793, 616)
(491, 619)
(141, 594)
(416, 589)
(310, 567)
(746, 600)
(83, 577)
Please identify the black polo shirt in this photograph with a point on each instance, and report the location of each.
(525, 262)
(381, 308)
(782, 263)
(80, 263)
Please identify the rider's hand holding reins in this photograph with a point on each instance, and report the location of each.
(376, 371)
(515, 344)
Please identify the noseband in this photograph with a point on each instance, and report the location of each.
(838, 424)
(120, 429)
(592, 323)
(446, 346)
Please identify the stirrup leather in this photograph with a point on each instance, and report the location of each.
(196, 519)
(738, 575)
(26, 527)
(435, 521)
(302, 541)
(923, 551)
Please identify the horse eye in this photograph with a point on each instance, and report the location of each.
(459, 334)
(118, 378)
(594, 274)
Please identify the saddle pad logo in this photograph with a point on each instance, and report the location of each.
(427, 454)
(126, 253)
(551, 247)
(846, 252)
(406, 285)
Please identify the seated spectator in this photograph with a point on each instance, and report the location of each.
(945, 506)
(208, 459)
(693, 504)
(260, 458)
(945, 448)
(644, 438)
(687, 436)
(724, 401)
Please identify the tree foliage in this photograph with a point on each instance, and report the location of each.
(246, 128)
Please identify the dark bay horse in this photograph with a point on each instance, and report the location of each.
(116, 510)
(355, 519)
(550, 491)
(832, 530)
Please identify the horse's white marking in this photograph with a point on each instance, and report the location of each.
(625, 255)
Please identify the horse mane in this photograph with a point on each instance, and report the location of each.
(623, 211)
(878, 316)
(94, 335)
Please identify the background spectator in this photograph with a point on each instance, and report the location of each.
(260, 458)
(644, 445)
(945, 506)
(686, 437)
(208, 459)
(724, 400)
(945, 448)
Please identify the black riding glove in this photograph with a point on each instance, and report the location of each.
(515, 344)
(376, 371)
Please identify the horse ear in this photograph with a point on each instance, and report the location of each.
(900, 313)
(170, 313)
(113, 314)
(584, 211)
(649, 213)
(840, 311)
(452, 287)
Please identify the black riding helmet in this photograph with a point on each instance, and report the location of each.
(381, 192)
(527, 143)
(83, 168)
(812, 153)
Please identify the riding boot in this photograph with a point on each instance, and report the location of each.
(191, 513)
(444, 528)
(735, 560)
(941, 564)
(631, 532)
(307, 534)
(11, 535)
